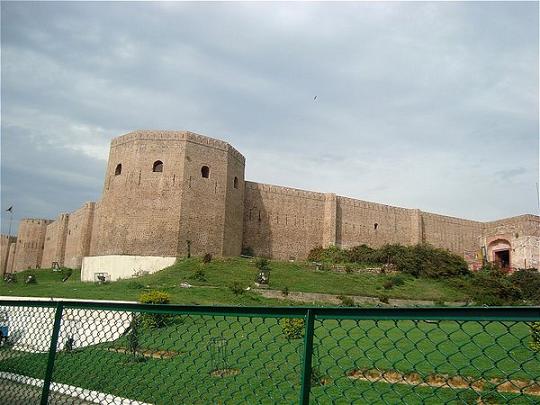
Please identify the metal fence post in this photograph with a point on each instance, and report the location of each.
(308, 356)
(52, 354)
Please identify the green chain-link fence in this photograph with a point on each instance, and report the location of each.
(107, 353)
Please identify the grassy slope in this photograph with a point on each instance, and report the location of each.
(269, 365)
(221, 273)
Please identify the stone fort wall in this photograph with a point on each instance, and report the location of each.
(54, 247)
(167, 192)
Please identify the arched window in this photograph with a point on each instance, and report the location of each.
(235, 182)
(118, 169)
(158, 166)
(205, 172)
(375, 225)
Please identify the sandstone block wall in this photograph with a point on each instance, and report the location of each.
(79, 234)
(163, 189)
(55, 242)
(282, 222)
(362, 222)
(30, 244)
(5, 244)
(11, 257)
(211, 208)
(521, 233)
(460, 236)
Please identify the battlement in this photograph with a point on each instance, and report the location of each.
(169, 135)
(288, 191)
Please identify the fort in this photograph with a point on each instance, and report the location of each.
(169, 194)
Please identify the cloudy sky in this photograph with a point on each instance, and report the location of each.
(420, 105)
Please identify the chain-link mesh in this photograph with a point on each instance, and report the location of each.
(121, 354)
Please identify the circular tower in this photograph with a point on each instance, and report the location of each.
(167, 192)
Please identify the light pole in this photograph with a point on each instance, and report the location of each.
(5, 264)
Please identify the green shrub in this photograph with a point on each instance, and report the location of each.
(150, 320)
(534, 344)
(199, 274)
(293, 328)
(285, 291)
(262, 264)
(361, 254)
(383, 298)
(247, 251)
(348, 269)
(133, 344)
(492, 286)
(346, 301)
(394, 281)
(528, 281)
(315, 254)
(398, 280)
(236, 288)
(207, 258)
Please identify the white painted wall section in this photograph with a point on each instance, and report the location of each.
(121, 267)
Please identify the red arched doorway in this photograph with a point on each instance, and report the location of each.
(499, 253)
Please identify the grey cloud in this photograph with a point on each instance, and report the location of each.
(418, 104)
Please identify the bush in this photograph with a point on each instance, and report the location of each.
(492, 286)
(528, 281)
(394, 281)
(285, 291)
(535, 336)
(207, 258)
(262, 264)
(348, 269)
(150, 320)
(247, 251)
(199, 274)
(133, 344)
(315, 254)
(383, 298)
(346, 301)
(293, 328)
(361, 254)
(236, 288)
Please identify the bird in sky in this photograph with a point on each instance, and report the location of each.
(314, 98)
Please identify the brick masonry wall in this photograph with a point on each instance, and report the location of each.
(460, 236)
(55, 242)
(148, 213)
(211, 208)
(522, 233)
(362, 222)
(5, 243)
(282, 222)
(79, 233)
(11, 257)
(30, 244)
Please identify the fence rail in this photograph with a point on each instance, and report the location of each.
(117, 353)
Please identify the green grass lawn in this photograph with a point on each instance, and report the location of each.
(221, 273)
(268, 366)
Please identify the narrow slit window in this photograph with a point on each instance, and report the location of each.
(158, 166)
(205, 172)
(375, 225)
(118, 169)
(235, 182)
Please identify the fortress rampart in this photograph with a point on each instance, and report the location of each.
(174, 193)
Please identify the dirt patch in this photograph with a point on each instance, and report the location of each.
(225, 372)
(529, 387)
(149, 354)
